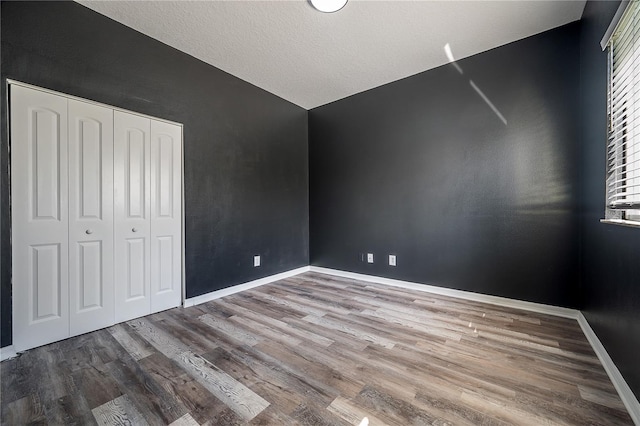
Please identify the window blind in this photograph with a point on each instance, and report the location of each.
(623, 148)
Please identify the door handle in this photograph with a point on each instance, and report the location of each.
(134, 229)
(88, 231)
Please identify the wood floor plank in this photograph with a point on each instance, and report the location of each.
(396, 409)
(231, 330)
(69, 410)
(163, 342)
(191, 333)
(410, 322)
(298, 308)
(599, 397)
(454, 412)
(248, 308)
(354, 414)
(362, 370)
(318, 350)
(157, 405)
(97, 386)
(319, 304)
(238, 397)
(265, 331)
(27, 410)
(119, 411)
(272, 416)
(201, 404)
(287, 387)
(503, 410)
(198, 401)
(185, 420)
(343, 328)
(339, 339)
(268, 384)
(132, 346)
(319, 377)
(309, 416)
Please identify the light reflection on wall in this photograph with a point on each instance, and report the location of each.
(539, 179)
(537, 174)
(485, 98)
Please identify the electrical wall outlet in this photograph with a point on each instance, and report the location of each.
(256, 261)
(369, 257)
(392, 260)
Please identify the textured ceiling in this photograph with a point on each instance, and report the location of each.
(312, 58)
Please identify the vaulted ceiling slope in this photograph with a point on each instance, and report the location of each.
(311, 58)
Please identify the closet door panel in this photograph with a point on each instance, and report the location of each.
(166, 215)
(39, 207)
(132, 215)
(91, 266)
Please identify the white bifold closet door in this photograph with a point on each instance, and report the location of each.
(96, 216)
(91, 299)
(148, 219)
(40, 223)
(132, 181)
(166, 215)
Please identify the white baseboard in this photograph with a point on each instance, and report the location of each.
(192, 301)
(626, 394)
(7, 352)
(460, 294)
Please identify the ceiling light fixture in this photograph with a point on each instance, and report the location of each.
(328, 6)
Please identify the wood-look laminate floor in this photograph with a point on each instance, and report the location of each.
(318, 350)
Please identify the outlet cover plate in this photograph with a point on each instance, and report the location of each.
(392, 260)
(369, 257)
(256, 260)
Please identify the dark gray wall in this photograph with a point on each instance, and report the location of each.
(611, 262)
(424, 169)
(421, 168)
(246, 151)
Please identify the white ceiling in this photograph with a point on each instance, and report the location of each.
(312, 58)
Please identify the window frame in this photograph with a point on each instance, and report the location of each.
(620, 215)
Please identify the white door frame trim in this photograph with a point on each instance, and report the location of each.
(11, 82)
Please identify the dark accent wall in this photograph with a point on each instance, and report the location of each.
(424, 168)
(611, 262)
(245, 150)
